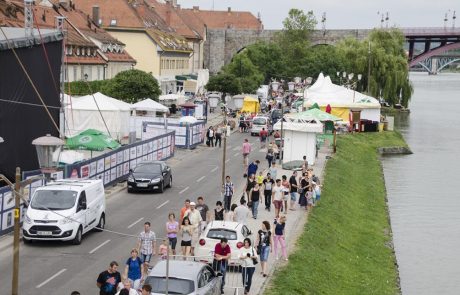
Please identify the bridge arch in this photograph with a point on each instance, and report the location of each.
(433, 52)
(448, 63)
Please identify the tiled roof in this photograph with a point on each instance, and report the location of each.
(169, 42)
(119, 57)
(193, 21)
(226, 19)
(85, 60)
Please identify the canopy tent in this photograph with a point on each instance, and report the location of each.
(250, 105)
(341, 99)
(149, 105)
(100, 112)
(173, 99)
(315, 114)
(92, 140)
(188, 119)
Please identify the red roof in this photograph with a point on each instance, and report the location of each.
(85, 60)
(226, 19)
(119, 57)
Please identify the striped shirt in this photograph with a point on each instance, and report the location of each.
(228, 186)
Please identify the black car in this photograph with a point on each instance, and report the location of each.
(148, 176)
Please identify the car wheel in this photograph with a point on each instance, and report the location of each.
(77, 239)
(162, 187)
(101, 224)
(170, 181)
(130, 190)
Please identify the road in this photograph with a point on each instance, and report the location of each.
(58, 268)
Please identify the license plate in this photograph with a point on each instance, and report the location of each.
(44, 233)
(142, 185)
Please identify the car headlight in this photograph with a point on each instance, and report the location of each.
(130, 178)
(155, 180)
(28, 220)
(65, 221)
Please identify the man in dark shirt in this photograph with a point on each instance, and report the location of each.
(108, 280)
(268, 186)
(204, 212)
(293, 189)
(252, 168)
(221, 255)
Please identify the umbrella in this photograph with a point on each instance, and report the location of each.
(328, 109)
(315, 114)
(92, 140)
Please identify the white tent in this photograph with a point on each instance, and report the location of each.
(169, 99)
(341, 99)
(149, 105)
(91, 111)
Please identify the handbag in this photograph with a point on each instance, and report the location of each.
(254, 260)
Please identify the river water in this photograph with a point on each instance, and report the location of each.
(424, 188)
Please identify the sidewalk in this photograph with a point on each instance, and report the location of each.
(295, 223)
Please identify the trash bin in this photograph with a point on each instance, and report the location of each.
(381, 125)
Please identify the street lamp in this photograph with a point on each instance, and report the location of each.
(291, 86)
(2, 140)
(46, 147)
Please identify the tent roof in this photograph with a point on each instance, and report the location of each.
(104, 103)
(149, 105)
(300, 125)
(314, 114)
(171, 96)
(250, 99)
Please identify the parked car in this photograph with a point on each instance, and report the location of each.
(185, 277)
(64, 210)
(259, 122)
(234, 232)
(149, 176)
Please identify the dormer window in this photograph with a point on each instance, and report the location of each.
(113, 22)
(78, 51)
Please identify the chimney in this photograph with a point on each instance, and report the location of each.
(229, 9)
(196, 8)
(96, 15)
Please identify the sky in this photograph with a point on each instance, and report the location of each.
(341, 14)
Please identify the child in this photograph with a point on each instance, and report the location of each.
(309, 198)
(317, 191)
(163, 250)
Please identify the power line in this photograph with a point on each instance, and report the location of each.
(29, 104)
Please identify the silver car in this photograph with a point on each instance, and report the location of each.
(185, 277)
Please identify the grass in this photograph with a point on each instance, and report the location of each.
(346, 245)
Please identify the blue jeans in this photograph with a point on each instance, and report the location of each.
(255, 206)
(220, 266)
(247, 277)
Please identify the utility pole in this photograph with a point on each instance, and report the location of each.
(224, 154)
(17, 203)
(369, 68)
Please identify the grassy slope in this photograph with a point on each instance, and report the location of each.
(344, 248)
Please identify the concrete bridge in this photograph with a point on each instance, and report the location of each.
(423, 44)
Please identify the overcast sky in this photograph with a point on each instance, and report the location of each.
(341, 14)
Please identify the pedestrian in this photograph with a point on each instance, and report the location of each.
(222, 253)
(242, 213)
(210, 136)
(228, 193)
(317, 192)
(286, 186)
(146, 245)
(269, 156)
(249, 257)
(133, 269)
(230, 215)
(125, 288)
(146, 289)
(277, 197)
(268, 186)
(273, 170)
(309, 198)
(108, 280)
(304, 164)
(263, 135)
(242, 124)
(246, 151)
(186, 232)
(172, 228)
(204, 212)
(280, 225)
(252, 168)
(260, 178)
(264, 242)
(218, 135)
(184, 209)
(254, 196)
(303, 191)
(163, 249)
(219, 211)
(277, 134)
(293, 189)
(250, 183)
(195, 219)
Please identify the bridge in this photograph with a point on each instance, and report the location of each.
(431, 48)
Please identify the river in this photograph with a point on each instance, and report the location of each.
(424, 188)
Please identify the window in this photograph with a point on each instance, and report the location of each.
(54, 200)
(99, 71)
(219, 233)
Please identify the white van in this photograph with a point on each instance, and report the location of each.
(64, 210)
(259, 122)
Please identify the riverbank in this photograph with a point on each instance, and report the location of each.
(346, 246)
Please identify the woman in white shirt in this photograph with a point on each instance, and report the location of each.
(248, 255)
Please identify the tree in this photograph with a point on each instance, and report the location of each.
(268, 58)
(246, 72)
(322, 59)
(132, 86)
(224, 82)
(81, 88)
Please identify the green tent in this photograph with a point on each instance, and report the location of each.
(92, 140)
(316, 114)
(314, 106)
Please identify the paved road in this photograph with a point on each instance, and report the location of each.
(58, 268)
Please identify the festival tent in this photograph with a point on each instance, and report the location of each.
(250, 105)
(176, 99)
(100, 112)
(314, 114)
(149, 105)
(341, 100)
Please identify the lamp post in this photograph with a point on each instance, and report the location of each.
(353, 84)
(46, 147)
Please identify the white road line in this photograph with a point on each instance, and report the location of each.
(228, 160)
(236, 154)
(184, 190)
(200, 179)
(215, 168)
(95, 249)
(166, 202)
(134, 223)
(48, 280)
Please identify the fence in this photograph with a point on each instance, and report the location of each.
(187, 135)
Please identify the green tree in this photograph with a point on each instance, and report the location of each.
(81, 88)
(225, 83)
(322, 59)
(268, 58)
(246, 72)
(132, 86)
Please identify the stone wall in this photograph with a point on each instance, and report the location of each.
(222, 44)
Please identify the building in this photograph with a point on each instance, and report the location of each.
(157, 48)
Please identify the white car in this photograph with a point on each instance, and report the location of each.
(234, 232)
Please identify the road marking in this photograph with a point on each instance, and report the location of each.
(95, 249)
(200, 179)
(48, 280)
(184, 190)
(236, 154)
(215, 168)
(228, 160)
(236, 148)
(132, 224)
(166, 202)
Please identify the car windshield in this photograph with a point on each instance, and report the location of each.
(175, 285)
(148, 168)
(53, 200)
(219, 233)
(259, 121)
